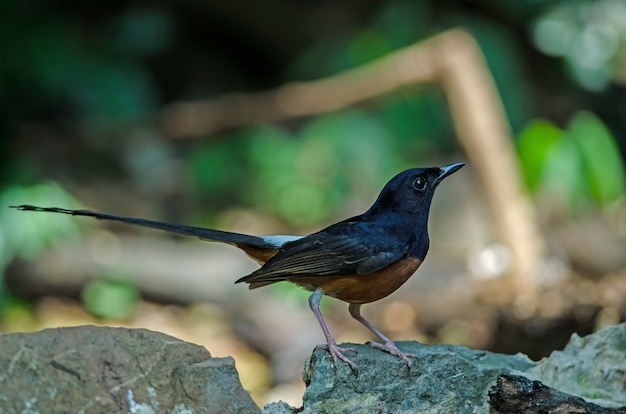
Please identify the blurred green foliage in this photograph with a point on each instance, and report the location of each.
(82, 84)
(575, 165)
(589, 35)
(62, 69)
(27, 236)
(303, 178)
(110, 298)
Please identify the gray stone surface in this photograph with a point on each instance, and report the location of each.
(444, 378)
(91, 369)
(455, 379)
(592, 367)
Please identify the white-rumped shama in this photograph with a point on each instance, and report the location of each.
(358, 260)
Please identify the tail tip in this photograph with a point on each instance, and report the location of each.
(24, 207)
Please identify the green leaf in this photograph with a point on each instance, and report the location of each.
(563, 177)
(602, 163)
(535, 145)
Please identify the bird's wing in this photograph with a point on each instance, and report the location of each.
(347, 249)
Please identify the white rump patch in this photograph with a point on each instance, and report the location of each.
(279, 240)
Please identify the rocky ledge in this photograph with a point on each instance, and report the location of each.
(91, 369)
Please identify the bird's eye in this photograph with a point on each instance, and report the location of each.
(420, 183)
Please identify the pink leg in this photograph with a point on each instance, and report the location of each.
(388, 345)
(331, 345)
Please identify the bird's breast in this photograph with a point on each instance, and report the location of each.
(366, 288)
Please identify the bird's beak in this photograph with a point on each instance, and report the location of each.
(448, 169)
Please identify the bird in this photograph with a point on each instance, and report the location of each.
(358, 260)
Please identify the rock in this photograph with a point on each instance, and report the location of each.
(592, 367)
(115, 370)
(91, 369)
(279, 407)
(444, 378)
(448, 378)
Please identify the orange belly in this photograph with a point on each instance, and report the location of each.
(360, 289)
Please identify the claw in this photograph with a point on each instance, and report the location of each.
(387, 345)
(391, 348)
(337, 354)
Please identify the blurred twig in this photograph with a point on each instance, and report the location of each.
(452, 59)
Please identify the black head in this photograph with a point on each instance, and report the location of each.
(411, 191)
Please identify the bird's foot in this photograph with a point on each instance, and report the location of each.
(337, 354)
(391, 348)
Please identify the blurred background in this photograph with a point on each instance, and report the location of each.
(87, 97)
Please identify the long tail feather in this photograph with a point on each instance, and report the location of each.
(237, 239)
